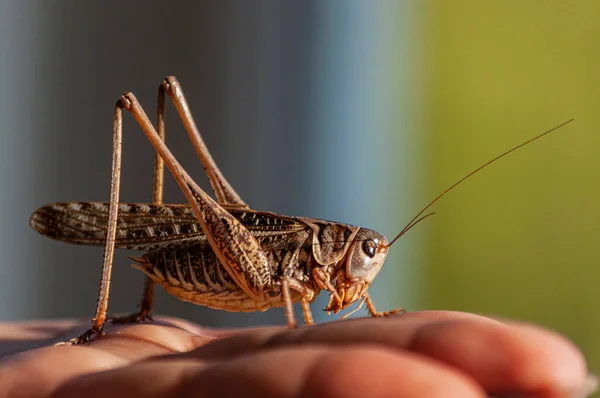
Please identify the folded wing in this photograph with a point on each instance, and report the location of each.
(139, 226)
(149, 227)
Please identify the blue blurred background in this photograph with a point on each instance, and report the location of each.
(359, 112)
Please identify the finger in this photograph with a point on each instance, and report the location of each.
(502, 357)
(43, 369)
(287, 372)
(396, 331)
(522, 358)
(35, 371)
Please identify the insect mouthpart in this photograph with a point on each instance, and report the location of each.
(348, 293)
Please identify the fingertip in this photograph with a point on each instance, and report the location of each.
(549, 361)
(520, 357)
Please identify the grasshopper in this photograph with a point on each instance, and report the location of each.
(220, 253)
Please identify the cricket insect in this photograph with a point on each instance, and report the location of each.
(221, 254)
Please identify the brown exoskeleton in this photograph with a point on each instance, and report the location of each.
(220, 254)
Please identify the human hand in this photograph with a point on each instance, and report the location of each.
(420, 354)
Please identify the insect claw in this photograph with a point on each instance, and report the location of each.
(84, 338)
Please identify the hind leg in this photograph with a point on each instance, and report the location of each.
(146, 305)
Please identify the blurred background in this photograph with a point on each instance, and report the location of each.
(359, 112)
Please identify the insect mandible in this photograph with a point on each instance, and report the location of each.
(221, 253)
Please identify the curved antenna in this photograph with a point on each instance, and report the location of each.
(414, 222)
(416, 219)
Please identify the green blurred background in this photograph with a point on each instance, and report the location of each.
(521, 239)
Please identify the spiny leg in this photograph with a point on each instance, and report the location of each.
(375, 313)
(109, 248)
(224, 193)
(237, 250)
(145, 311)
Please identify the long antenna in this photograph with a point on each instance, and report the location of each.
(414, 220)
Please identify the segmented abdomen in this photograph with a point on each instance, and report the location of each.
(194, 268)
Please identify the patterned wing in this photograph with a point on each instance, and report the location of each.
(149, 227)
(139, 226)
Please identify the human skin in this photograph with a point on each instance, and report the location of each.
(420, 354)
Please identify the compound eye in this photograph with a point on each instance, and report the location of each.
(369, 247)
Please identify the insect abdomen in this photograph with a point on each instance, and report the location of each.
(194, 274)
(194, 268)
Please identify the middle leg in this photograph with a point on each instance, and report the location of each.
(377, 314)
